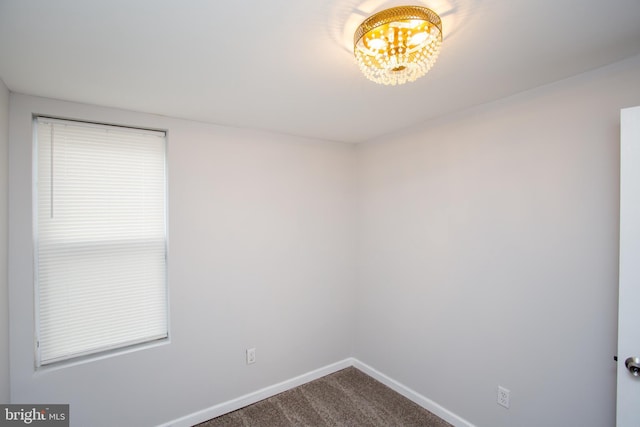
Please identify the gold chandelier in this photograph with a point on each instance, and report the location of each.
(398, 45)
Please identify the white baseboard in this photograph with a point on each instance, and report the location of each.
(256, 396)
(412, 395)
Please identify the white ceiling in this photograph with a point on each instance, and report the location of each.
(287, 65)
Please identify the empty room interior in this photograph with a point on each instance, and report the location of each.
(450, 233)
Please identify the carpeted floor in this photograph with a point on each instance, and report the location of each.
(345, 398)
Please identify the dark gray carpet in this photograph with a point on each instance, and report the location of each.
(345, 398)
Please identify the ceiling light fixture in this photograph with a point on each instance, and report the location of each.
(398, 45)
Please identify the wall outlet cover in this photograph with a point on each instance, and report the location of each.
(251, 356)
(503, 397)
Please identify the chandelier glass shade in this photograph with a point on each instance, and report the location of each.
(398, 45)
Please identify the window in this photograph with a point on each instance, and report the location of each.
(100, 238)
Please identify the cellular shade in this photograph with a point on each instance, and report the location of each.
(100, 238)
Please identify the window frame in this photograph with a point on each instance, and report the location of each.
(122, 347)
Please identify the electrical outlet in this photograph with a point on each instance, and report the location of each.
(503, 397)
(251, 356)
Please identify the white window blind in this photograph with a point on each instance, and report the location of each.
(100, 236)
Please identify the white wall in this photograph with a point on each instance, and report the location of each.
(487, 254)
(4, 223)
(489, 250)
(262, 249)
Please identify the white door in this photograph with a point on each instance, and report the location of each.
(628, 398)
